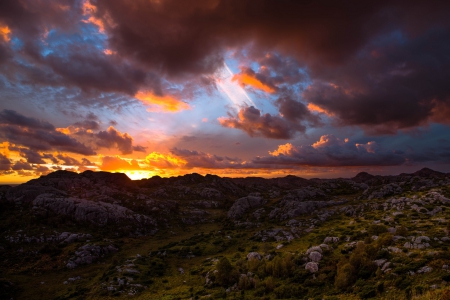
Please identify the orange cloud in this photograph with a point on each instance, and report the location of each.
(96, 21)
(116, 163)
(5, 148)
(5, 33)
(327, 140)
(161, 103)
(159, 160)
(248, 79)
(88, 10)
(315, 108)
(285, 149)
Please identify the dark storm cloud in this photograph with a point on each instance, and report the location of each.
(395, 84)
(67, 58)
(295, 111)
(198, 159)
(12, 117)
(22, 165)
(87, 162)
(88, 68)
(34, 157)
(30, 18)
(5, 163)
(88, 124)
(250, 120)
(37, 135)
(294, 117)
(68, 161)
(326, 31)
(154, 32)
(112, 138)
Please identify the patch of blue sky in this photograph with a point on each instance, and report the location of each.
(255, 66)
(16, 43)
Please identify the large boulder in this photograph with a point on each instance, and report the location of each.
(315, 256)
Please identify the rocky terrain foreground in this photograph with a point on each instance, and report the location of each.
(99, 235)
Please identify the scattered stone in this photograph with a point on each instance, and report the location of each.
(88, 254)
(425, 269)
(254, 255)
(315, 256)
(380, 262)
(331, 240)
(312, 267)
(314, 248)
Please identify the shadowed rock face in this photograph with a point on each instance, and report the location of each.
(26, 193)
(81, 210)
(242, 205)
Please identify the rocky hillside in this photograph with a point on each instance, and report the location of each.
(100, 235)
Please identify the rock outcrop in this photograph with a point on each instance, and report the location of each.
(243, 205)
(82, 210)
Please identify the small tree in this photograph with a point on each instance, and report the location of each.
(345, 275)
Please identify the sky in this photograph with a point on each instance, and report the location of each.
(235, 88)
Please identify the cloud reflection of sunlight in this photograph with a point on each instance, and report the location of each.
(237, 95)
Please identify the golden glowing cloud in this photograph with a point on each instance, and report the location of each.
(5, 33)
(108, 52)
(246, 79)
(117, 163)
(72, 130)
(161, 103)
(315, 108)
(4, 147)
(285, 149)
(326, 140)
(159, 160)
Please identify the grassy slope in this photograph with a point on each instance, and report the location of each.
(28, 274)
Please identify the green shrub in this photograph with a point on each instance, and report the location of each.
(226, 274)
(345, 275)
(377, 229)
